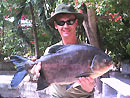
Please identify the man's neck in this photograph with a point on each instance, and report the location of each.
(70, 41)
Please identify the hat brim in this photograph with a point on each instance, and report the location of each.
(79, 16)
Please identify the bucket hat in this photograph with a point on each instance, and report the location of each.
(65, 8)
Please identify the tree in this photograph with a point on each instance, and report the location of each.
(34, 31)
(90, 26)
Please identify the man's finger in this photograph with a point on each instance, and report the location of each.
(33, 69)
(37, 69)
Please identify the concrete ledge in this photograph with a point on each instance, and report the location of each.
(26, 89)
(108, 92)
(121, 87)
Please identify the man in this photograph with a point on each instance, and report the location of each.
(66, 20)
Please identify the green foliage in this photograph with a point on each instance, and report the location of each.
(18, 39)
(14, 46)
(128, 48)
(11, 43)
(114, 24)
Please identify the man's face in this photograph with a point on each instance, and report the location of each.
(66, 24)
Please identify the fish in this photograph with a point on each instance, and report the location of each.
(64, 64)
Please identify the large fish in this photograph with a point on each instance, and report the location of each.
(64, 64)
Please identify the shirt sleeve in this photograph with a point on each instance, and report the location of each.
(47, 51)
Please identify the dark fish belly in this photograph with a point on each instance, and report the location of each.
(66, 73)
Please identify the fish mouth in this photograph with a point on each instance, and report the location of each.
(101, 71)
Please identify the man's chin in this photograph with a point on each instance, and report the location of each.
(66, 35)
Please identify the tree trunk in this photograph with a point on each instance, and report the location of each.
(90, 27)
(34, 31)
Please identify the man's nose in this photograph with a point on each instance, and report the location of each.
(66, 25)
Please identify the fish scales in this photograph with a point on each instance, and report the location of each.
(69, 61)
(66, 62)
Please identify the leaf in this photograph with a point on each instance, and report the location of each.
(128, 48)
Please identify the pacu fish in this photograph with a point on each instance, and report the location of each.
(65, 63)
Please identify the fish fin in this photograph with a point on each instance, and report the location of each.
(21, 69)
(42, 82)
(18, 77)
(55, 48)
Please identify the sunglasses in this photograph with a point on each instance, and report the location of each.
(69, 22)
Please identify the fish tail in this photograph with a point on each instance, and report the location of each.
(20, 63)
(18, 77)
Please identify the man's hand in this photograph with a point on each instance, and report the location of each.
(87, 83)
(36, 69)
